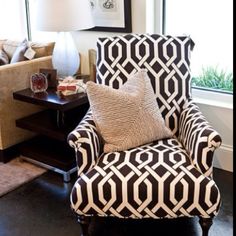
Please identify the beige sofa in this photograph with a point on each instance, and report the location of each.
(14, 77)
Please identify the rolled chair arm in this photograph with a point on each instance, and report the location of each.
(198, 137)
(86, 142)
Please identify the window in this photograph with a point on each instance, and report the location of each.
(13, 21)
(210, 25)
(37, 35)
(17, 21)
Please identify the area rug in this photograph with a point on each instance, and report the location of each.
(16, 173)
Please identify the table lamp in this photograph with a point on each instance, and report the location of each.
(64, 16)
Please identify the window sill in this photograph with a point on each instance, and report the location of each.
(212, 98)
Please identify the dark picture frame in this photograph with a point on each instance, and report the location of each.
(112, 15)
(51, 75)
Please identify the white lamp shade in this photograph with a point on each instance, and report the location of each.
(63, 15)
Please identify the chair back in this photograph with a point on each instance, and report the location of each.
(166, 58)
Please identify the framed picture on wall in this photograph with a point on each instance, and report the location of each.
(111, 15)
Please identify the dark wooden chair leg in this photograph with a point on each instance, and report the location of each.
(205, 225)
(84, 223)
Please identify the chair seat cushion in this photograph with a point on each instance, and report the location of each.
(156, 180)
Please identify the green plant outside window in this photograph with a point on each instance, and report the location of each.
(213, 78)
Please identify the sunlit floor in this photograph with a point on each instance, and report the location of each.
(42, 208)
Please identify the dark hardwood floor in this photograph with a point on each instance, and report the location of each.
(42, 208)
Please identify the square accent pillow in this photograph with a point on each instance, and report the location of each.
(127, 117)
(19, 52)
(3, 58)
(42, 49)
(10, 46)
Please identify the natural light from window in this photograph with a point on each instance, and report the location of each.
(35, 34)
(210, 25)
(13, 20)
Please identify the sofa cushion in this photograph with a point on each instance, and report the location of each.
(9, 46)
(41, 49)
(128, 117)
(3, 58)
(18, 55)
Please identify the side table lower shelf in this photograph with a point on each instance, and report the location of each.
(50, 153)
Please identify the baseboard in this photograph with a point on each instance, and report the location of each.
(223, 158)
(8, 154)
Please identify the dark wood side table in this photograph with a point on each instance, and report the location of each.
(49, 148)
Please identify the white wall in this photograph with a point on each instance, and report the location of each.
(87, 39)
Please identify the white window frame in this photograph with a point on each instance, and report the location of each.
(154, 19)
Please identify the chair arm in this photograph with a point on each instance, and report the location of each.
(86, 142)
(198, 137)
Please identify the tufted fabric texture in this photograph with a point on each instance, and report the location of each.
(167, 178)
(127, 117)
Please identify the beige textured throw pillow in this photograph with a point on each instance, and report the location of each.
(127, 117)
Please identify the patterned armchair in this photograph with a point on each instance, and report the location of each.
(168, 178)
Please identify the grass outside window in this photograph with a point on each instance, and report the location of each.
(214, 79)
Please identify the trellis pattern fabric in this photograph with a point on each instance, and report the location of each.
(199, 138)
(166, 58)
(164, 179)
(114, 179)
(87, 144)
(156, 180)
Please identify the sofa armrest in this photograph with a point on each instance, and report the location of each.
(14, 77)
(17, 75)
(198, 137)
(86, 142)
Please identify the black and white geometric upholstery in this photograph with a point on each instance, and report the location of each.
(168, 178)
(166, 58)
